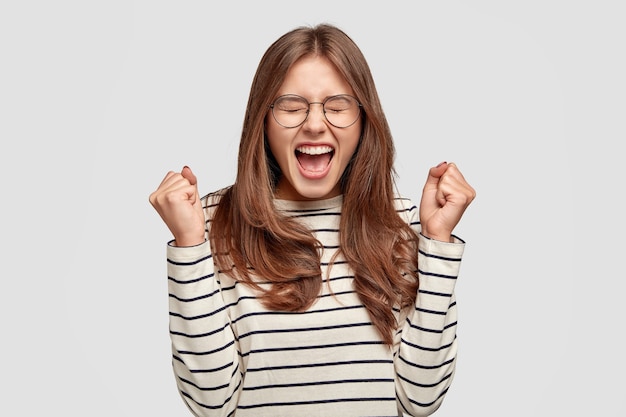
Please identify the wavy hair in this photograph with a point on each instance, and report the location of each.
(250, 237)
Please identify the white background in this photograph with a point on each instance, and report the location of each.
(99, 99)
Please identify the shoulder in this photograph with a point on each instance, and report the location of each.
(212, 200)
(405, 207)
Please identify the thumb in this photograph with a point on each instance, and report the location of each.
(188, 174)
(431, 188)
(435, 173)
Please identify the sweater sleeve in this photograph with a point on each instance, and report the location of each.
(426, 346)
(205, 357)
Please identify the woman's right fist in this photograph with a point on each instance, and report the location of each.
(178, 203)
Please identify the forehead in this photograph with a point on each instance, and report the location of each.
(315, 78)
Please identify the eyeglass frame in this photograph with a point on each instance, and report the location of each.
(323, 103)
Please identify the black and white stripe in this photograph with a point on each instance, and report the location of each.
(232, 355)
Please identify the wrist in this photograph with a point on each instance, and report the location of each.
(445, 237)
(184, 241)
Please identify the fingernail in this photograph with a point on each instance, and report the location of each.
(440, 164)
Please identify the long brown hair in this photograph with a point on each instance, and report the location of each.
(250, 237)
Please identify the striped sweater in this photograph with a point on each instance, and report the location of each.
(232, 356)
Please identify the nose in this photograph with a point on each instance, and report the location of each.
(316, 120)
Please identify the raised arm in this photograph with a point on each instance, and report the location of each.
(425, 355)
(205, 355)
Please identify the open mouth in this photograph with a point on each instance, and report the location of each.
(314, 159)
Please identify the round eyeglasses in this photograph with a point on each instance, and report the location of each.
(292, 110)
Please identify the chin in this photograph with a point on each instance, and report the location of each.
(315, 191)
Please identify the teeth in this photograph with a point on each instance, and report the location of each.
(314, 150)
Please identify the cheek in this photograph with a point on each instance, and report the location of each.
(351, 143)
(278, 144)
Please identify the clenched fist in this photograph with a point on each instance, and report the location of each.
(178, 203)
(445, 197)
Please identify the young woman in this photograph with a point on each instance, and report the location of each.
(310, 287)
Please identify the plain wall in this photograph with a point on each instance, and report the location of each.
(98, 100)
